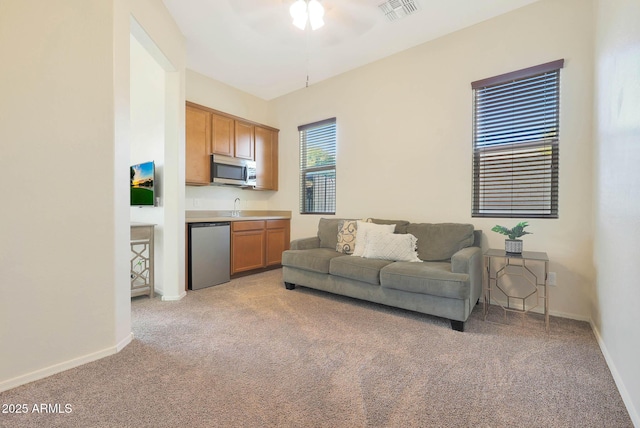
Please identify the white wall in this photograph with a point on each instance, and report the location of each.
(58, 255)
(155, 29)
(147, 140)
(405, 135)
(211, 93)
(617, 196)
(64, 174)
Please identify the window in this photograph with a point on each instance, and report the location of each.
(318, 167)
(515, 143)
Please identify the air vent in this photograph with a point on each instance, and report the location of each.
(396, 9)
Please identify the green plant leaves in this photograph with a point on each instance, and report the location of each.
(515, 233)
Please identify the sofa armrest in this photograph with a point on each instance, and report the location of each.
(461, 261)
(469, 260)
(305, 243)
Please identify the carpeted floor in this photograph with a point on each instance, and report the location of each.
(252, 354)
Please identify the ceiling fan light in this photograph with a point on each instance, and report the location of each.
(301, 11)
(316, 22)
(316, 12)
(298, 10)
(316, 9)
(300, 22)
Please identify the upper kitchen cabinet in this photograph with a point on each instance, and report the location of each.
(210, 131)
(198, 146)
(222, 135)
(244, 146)
(266, 146)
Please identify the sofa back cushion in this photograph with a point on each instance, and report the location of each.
(328, 232)
(440, 241)
(401, 225)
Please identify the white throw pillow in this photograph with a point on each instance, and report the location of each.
(392, 246)
(364, 228)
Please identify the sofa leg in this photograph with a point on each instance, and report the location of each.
(457, 325)
(289, 286)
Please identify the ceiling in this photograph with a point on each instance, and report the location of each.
(253, 46)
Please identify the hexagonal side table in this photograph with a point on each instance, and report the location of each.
(142, 264)
(532, 289)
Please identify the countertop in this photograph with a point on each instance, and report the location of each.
(225, 215)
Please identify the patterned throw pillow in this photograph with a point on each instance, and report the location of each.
(391, 246)
(346, 236)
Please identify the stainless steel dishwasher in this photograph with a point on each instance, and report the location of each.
(209, 249)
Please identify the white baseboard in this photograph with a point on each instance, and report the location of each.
(174, 298)
(626, 398)
(570, 316)
(540, 310)
(57, 368)
(124, 342)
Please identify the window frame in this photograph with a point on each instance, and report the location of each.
(329, 145)
(515, 156)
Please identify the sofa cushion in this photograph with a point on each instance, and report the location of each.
(314, 260)
(401, 225)
(328, 232)
(366, 270)
(433, 278)
(440, 241)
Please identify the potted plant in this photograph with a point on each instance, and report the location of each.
(513, 244)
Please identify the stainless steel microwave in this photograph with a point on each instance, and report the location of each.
(230, 171)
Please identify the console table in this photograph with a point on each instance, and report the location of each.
(528, 293)
(142, 259)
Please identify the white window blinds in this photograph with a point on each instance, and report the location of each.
(318, 167)
(516, 143)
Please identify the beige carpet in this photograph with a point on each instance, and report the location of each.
(252, 354)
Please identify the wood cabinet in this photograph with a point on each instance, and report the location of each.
(209, 131)
(256, 244)
(222, 135)
(277, 240)
(244, 140)
(266, 153)
(247, 245)
(198, 148)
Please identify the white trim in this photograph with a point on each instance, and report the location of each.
(568, 315)
(174, 298)
(626, 398)
(57, 368)
(124, 342)
(540, 310)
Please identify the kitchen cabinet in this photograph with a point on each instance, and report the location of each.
(277, 240)
(244, 140)
(247, 245)
(197, 146)
(209, 131)
(257, 244)
(266, 153)
(222, 135)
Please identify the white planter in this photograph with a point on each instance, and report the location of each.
(513, 246)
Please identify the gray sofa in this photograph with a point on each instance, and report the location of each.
(447, 283)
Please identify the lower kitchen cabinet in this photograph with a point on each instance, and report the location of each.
(277, 240)
(256, 244)
(247, 245)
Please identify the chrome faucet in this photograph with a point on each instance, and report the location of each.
(236, 211)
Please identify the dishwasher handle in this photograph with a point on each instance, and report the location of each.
(210, 224)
